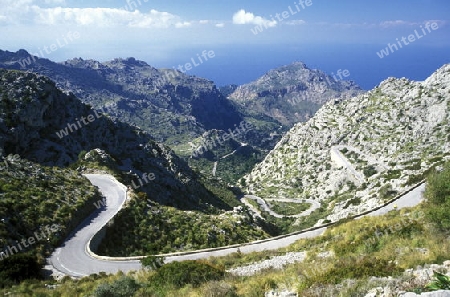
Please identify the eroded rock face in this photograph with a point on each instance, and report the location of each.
(292, 93)
(163, 102)
(388, 137)
(42, 124)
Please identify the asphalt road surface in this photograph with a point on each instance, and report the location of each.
(262, 203)
(73, 259)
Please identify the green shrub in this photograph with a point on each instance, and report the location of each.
(415, 166)
(289, 208)
(386, 192)
(441, 282)
(414, 179)
(438, 198)
(435, 159)
(393, 174)
(369, 171)
(219, 289)
(17, 268)
(123, 287)
(353, 268)
(355, 201)
(152, 262)
(179, 274)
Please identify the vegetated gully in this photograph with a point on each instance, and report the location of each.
(75, 258)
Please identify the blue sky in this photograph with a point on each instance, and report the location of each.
(325, 34)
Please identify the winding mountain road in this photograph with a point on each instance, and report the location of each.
(314, 205)
(347, 164)
(73, 258)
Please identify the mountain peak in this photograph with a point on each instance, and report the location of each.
(441, 76)
(289, 68)
(130, 61)
(292, 93)
(13, 56)
(363, 151)
(22, 53)
(297, 64)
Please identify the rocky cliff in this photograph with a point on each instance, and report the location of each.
(292, 93)
(180, 110)
(44, 125)
(355, 154)
(171, 106)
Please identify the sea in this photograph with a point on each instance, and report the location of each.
(243, 64)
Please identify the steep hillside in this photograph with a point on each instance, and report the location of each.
(36, 200)
(355, 154)
(172, 106)
(182, 111)
(272, 104)
(292, 93)
(44, 125)
(56, 137)
(385, 255)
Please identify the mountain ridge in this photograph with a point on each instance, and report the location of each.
(34, 111)
(125, 86)
(292, 93)
(377, 142)
(183, 111)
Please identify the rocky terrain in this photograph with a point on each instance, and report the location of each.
(357, 153)
(352, 155)
(182, 111)
(291, 93)
(273, 104)
(276, 262)
(34, 113)
(387, 286)
(171, 106)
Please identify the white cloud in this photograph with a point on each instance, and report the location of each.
(104, 17)
(183, 24)
(295, 22)
(243, 18)
(440, 23)
(28, 12)
(388, 24)
(56, 13)
(397, 23)
(14, 3)
(55, 2)
(154, 19)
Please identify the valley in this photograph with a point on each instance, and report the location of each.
(77, 256)
(354, 158)
(185, 112)
(224, 149)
